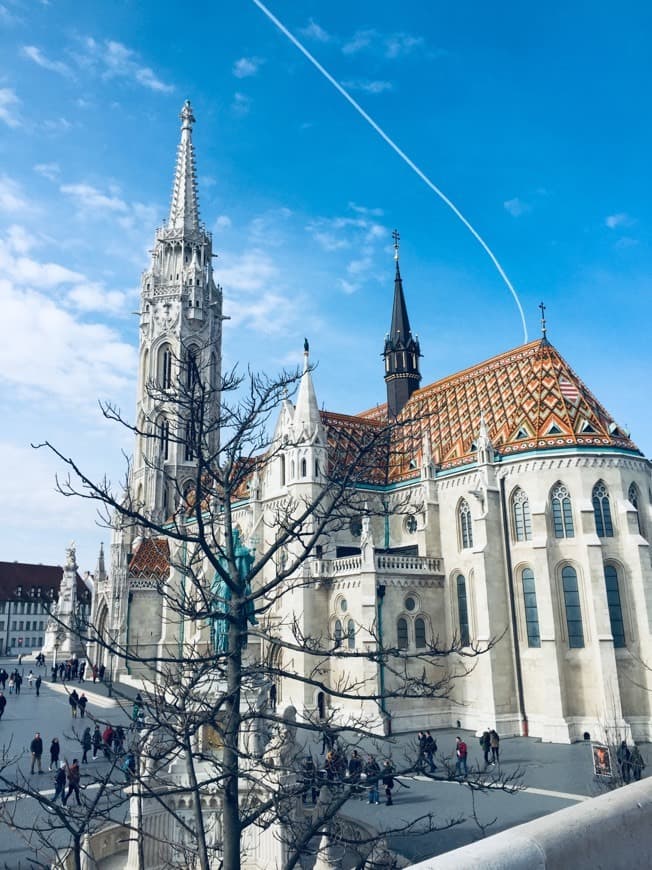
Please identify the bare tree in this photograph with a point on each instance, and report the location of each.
(216, 758)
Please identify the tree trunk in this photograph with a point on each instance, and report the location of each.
(200, 830)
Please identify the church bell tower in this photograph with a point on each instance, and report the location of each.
(180, 339)
(402, 351)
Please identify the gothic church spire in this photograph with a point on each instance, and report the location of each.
(402, 351)
(184, 208)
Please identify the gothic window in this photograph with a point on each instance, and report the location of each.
(304, 468)
(338, 633)
(165, 367)
(189, 446)
(420, 632)
(192, 371)
(602, 511)
(350, 634)
(634, 498)
(531, 611)
(164, 438)
(521, 516)
(562, 512)
(615, 606)
(466, 525)
(282, 470)
(316, 468)
(572, 606)
(402, 633)
(462, 610)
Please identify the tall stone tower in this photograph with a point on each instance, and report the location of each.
(180, 339)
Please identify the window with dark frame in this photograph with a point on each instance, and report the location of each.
(573, 608)
(531, 610)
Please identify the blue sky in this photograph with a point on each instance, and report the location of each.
(533, 119)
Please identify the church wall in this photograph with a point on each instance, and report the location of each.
(145, 621)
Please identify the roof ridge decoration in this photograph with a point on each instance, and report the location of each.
(184, 208)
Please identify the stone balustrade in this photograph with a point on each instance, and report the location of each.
(384, 563)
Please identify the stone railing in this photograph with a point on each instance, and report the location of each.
(384, 563)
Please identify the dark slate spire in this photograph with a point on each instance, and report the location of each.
(402, 350)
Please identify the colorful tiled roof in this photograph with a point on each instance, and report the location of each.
(531, 400)
(151, 558)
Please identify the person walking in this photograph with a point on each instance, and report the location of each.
(107, 740)
(485, 743)
(73, 700)
(421, 757)
(355, 772)
(11, 684)
(388, 781)
(81, 703)
(372, 773)
(96, 740)
(95, 673)
(30, 679)
(272, 697)
(54, 753)
(18, 682)
(86, 743)
(495, 746)
(3, 678)
(73, 774)
(82, 668)
(36, 748)
(461, 752)
(309, 777)
(37, 684)
(637, 763)
(3, 704)
(129, 767)
(431, 748)
(624, 757)
(60, 783)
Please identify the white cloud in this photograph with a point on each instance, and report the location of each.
(368, 87)
(115, 60)
(241, 104)
(94, 297)
(314, 31)
(400, 44)
(19, 240)
(12, 199)
(90, 199)
(362, 265)
(250, 271)
(362, 209)
(360, 39)
(621, 219)
(8, 101)
(516, 207)
(36, 55)
(223, 222)
(329, 241)
(348, 286)
(48, 170)
(246, 66)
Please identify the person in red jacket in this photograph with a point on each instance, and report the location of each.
(107, 740)
(72, 771)
(461, 751)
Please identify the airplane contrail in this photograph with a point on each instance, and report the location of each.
(400, 153)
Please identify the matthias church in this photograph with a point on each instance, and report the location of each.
(532, 529)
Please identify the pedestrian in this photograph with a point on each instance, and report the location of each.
(495, 746)
(73, 700)
(461, 752)
(637, 763)
(107, 740)
(81, 703)
(331, 766)
(86, 743)
(37, 683)
(326, 740)
(3, 703)
(11, 684)
(129, 767)
(73, 781)
(119, 740)
(54, 753)
(20, 659)
(135, 710)
(272, 697)
(431, 748)
(60, 783)
(101, 673)
(96, 740)
(309, 774)
(54, 674)
(388, 781)
(355, 772)
(30, 679)
(36, 748)
(485, 743)
(421, 758)
(3, 678)
(624, 757)
(95, 673)
(18, 682)
(372, 774)
(82, 668)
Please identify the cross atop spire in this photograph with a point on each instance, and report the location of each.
(543, 319)
(184, 208)
(397, 239)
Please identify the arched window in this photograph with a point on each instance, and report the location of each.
(165, 367)
(304, 468)
(338, 633)
(350, 634)
(634, 499)
(521, 516)
(402, 633)
(462, 610)
(164, 438)
(420, 632)
(316, 468)
(572, 606)
(192, 370)
(615, 607)
(531, 611)
(602, 511)
(189, 446)
(282, 470)
(562, 512)
(466, 525)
